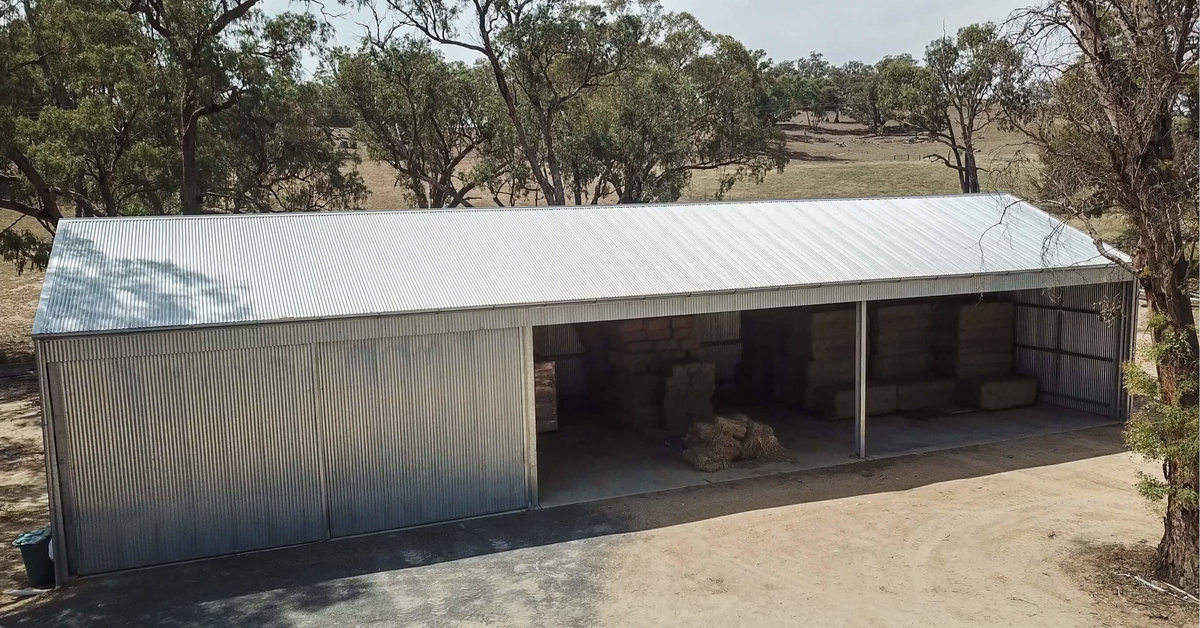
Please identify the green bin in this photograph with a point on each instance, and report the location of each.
(35, 552)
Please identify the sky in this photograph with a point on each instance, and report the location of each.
(842, 30)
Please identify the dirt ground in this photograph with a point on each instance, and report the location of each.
(1018, 533)
(1007, 549)
(22, 475)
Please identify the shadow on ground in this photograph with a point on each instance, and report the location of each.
(824, 129)
(274, 588)
(799, 155)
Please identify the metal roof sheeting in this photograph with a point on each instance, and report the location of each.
(121, 274)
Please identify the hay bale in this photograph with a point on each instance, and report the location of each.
(761, 443)
(837, 402)
(827, 372)
(969, 365)
(709, 449)
(980, 315)
(832, 321)
(904, 313)
(716, 444)
(892, 367)
(705, 459)
(901, 343)
(545, 397)
(700, 433)
(827, 347)
(998, 393)
(730, 426)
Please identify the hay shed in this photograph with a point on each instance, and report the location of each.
(220, 384)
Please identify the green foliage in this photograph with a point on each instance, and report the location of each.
(425, 117)
(617, 100)
(109, 108)
(952, 96)
(24, 250)
(1164, 428)
(690, 103)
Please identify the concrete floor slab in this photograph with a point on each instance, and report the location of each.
(590, 458)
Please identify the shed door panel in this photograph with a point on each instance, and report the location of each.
(173, 457)
(422, 428)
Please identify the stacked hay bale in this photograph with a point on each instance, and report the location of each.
(830, 372)
(975, 339)
(716, 444)
(545, 397)
(902, 353)
(657, 379)
(976, 346)
(687, 395)
(760, 332)
(822, 355)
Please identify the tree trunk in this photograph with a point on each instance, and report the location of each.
(191, 199)
(1176, 559)
(50, 212)
(969, 181)
(104, 183)
(1179, 550)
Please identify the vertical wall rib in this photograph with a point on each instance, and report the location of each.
(169, 458)
(422, 428)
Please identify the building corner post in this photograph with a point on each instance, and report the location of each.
(529, 410)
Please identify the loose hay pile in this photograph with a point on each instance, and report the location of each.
(714, 445)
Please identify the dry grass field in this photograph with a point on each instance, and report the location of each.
(836, 160)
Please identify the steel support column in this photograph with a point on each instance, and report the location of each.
(860, 379)
(530, 423)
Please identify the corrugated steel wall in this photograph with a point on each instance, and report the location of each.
(1073, 339)
(422, 429)
(167, 458)
(720, 336)
(171, 457)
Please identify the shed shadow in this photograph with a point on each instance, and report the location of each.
(308, 578)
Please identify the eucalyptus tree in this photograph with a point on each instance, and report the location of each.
(427, 118)
(1114, 126)
(543, 55)
(80, 118)
(217, 52)
(689, 104)
(953, 96)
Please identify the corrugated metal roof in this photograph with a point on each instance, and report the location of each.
(143, 273)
